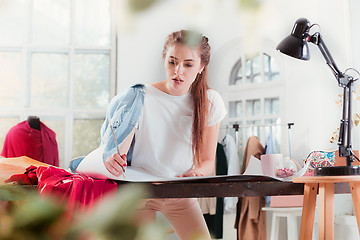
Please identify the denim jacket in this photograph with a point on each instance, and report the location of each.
(124, 111)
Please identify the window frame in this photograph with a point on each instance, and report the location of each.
(256, 90)
(69, 114)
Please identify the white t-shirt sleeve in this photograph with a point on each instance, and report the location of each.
(217, 109)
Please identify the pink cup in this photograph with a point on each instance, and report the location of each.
(268, 163)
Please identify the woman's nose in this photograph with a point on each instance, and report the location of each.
(179, 70)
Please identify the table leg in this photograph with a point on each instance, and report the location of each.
(308, 212)
(326, 211)
(355, 194)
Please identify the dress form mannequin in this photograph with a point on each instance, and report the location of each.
(34, 122)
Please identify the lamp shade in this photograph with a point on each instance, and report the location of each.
(295, 45)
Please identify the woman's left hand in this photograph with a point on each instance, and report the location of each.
(192, 173)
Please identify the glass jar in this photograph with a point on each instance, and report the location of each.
(285, 168)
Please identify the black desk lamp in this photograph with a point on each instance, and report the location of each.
(296, 45)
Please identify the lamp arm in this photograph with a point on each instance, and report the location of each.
(318, 40)
(345, 81)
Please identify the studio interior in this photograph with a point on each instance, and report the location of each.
(287, 150)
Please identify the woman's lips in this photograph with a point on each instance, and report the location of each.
(178, 79)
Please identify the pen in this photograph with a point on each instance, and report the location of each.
(117, 147)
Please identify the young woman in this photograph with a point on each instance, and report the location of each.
(169, 128)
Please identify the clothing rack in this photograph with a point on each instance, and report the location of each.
(236, 126)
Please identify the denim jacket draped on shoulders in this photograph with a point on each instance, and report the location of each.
(124, 111)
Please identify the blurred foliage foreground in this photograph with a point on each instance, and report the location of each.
(38, 218)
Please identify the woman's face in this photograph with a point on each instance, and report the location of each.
(182, 64)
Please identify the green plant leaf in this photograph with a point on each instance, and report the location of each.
(114, 215)
(35, 216)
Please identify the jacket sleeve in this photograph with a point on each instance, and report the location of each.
(124, 111)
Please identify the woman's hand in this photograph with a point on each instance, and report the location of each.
(192, 173)
(115, 163)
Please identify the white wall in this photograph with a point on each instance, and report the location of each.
(310, 88)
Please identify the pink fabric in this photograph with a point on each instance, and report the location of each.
(80, 192)
(22, 140)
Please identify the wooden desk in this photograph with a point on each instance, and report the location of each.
(324, 185)
(18, 165)
(227, 186)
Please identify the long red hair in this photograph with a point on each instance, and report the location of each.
(198, 88)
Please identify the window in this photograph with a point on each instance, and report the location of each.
(254, 69)
(255, 99)
(57, 62)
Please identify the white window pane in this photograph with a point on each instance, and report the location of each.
(86, 136)
(267, 106)
(256, 65)
(239, 73)
(249, 108)
(271, 69)
(275, 130)
(272, 106)
(276, 106)
(49, 80)
(253, 107)
(248, 69)
(267, 60)
(12, 22)
(267, 77)
(253, 129)
(5, 125)
(51, 21)
(92, 22)
(257, 107)
(256, 79)
(58, 126)
(236, 109)
(10, 79)
(274, 66)
(92, 81)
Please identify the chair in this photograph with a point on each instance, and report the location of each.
(291, 214)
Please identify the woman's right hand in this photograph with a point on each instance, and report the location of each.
(115, 163)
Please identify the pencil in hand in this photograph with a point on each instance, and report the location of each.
(117, 147)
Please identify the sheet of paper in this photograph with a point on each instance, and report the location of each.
(254, 167)
(92, 165)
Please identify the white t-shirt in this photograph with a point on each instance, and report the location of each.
(163, 139)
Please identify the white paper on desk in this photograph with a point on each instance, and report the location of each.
(92, 165)
(254, 167)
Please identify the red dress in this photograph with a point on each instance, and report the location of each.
(22, 140)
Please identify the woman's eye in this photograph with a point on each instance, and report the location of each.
(188, 65)
(171, 62)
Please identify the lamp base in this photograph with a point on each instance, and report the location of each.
(337, 171)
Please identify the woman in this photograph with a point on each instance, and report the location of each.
(175, 124)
